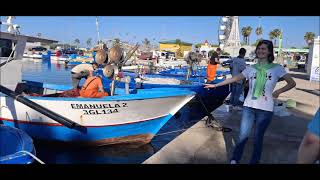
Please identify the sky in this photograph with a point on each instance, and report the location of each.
(192, 29)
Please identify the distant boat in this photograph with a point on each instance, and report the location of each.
(34, 56)
(212, 97)
(15, 146)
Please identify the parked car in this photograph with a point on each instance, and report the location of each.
(226, 63)
(301, 63)
(38, 48)
(250, 61)
(223, 58)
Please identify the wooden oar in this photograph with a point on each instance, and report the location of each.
(54, 116)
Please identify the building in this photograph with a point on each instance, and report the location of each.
(22, 42)
(205, 49)
(180, 48)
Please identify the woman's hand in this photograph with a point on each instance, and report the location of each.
(210, 86)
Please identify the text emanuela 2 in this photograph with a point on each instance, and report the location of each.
(96, 109)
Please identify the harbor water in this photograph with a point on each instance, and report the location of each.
(52, 153)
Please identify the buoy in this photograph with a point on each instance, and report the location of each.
(101, 56)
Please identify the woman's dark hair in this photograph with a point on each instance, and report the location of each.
(270, 49)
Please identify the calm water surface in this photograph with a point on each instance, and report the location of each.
(52, 72)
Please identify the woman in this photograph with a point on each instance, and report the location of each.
(258, 105)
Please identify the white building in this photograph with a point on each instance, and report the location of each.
(205, 49)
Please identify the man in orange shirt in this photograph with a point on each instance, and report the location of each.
(212, 65)
(93, 88)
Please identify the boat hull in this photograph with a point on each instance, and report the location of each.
(13, 144)
(109, 120)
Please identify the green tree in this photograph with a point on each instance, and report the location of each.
(211, 52)
(309, 36)
(198, 45)
(224, 53)
(259, 31)
(179, 52)
(77, 42)
(244, 34)
(89, 42)
(276, 33)
(272, 35)
(246, 31)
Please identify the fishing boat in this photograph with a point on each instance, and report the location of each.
(15, 146)
(130, 118)
(213, 98)
(79, 60)
(200, 71)
(60, 58)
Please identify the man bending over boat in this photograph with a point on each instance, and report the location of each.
(82, 71)
(93, 88)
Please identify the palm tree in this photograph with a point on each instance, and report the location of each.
(277, 33)
(309, 36)
(246, 31)
(179, 52)
(89, 42)
(77, 42)
(272, 35)
(259, 32)
(249, 29)
(244, 34)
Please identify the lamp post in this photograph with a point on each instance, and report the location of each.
(280, 46)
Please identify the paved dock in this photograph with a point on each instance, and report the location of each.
(204, 145)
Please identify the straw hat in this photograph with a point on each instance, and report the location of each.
(115, 54)
(101, 56)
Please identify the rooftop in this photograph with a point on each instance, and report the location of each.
(5, 35)
(175, 42)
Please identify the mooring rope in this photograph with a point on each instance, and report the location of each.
(33, 156)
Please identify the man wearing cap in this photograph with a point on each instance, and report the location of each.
(82, 71)
(212, 66)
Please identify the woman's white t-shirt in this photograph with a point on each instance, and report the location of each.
(264, 102)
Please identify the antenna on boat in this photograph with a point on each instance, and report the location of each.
(97, 25)
(12, 28)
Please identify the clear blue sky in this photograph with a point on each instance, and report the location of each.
(193, 29)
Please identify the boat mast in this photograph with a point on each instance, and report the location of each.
(97, 25)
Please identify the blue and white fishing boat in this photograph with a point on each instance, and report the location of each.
(123, 118)
(212, 97)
